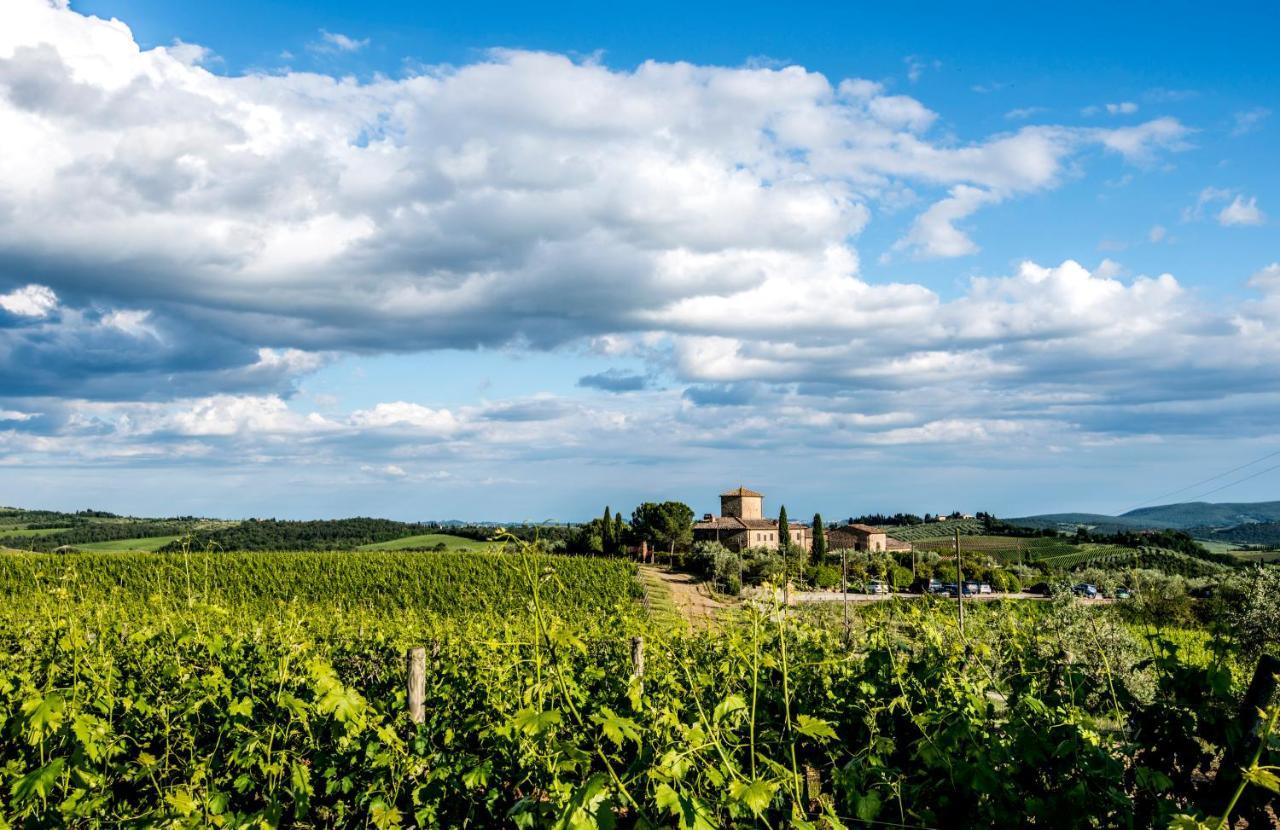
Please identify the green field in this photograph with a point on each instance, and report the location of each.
(430, 540)
(932, 531)
(1257, 555)
(143, 543)
(1009, 549)
(19, 531)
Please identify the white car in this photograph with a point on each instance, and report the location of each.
(875, 586)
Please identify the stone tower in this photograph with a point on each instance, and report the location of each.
(742, 503)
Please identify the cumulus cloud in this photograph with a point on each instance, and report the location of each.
(935, 234)
(462, 206)
(1237, 208)
(338, 42)
(179, 247)
(30, 301)
(1241, 211)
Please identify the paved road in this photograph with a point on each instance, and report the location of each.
(836, 596)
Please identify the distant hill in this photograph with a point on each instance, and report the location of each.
(1266, 534)
(1205, 514)
(1202, 516)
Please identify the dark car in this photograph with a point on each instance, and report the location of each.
(1084, 589)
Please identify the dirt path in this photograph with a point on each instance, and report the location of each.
(689, 596)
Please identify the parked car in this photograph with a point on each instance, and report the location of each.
(970, 588)
(875, 586)
(984, 588)
(1084, 589)
(934, 587)
(1123, 593)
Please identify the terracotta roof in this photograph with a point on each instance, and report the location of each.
(733, 523)
(860, 528)
(743, 491)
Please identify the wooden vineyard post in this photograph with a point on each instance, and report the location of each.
(844, 591)
(637, 661)
(417, 660)
(813, 788)
(959, 583)
(1259, 695)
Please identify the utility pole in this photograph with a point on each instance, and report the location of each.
(913, 561)
(959, 583)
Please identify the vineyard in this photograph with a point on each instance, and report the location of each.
(1168, 561)
(1010, 549)
(265, 690)
(935, 531)
(446, 584)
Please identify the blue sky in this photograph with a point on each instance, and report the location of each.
(495, 261)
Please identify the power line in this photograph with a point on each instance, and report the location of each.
(1239, 481)
(1207, 480)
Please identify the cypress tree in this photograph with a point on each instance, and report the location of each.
(784, 530)
(618, 532)
(819, 540)
(606, 532)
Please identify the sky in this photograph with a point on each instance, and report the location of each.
(504, 262)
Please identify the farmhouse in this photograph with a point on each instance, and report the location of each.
(741, 524)
(857, 537)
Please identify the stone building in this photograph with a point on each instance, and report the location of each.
(857, 537)
(742, 524)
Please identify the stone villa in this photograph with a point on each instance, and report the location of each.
(742, 524)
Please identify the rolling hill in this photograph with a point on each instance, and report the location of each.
(1204, 517)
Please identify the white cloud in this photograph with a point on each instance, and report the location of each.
(1248, 121)
(1157, 233)
(12, 415)
(1140, 143)
(225, 415)
(401, 414)
(30, 301)
(1122, 108)
(132, 322)
(934, 233)
(338, 42)
(522, 198)
(1023, 113)
(917, 65)
(700, 220)
(1241, 211)
(386, 470)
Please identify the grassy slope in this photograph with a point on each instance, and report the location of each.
(427, 540)
(144, 543)
(14, 531)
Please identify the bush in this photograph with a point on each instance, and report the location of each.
(823, 576)
(713, 561)
(762, 565)
(900, 578)
(1253, 613)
